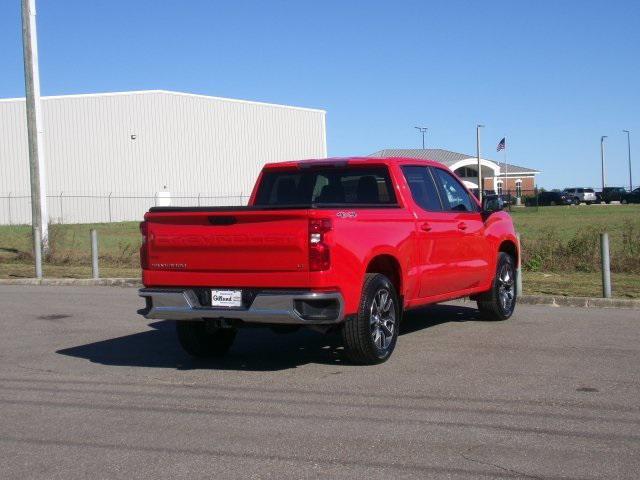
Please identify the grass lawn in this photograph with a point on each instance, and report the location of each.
(567, 220)
(579, 284)
(119, 243)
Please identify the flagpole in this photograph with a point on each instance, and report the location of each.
(503, 179)
(506, 168)
(502, 145)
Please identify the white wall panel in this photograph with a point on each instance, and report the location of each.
(192, 144)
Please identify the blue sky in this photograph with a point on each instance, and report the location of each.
(550, 75)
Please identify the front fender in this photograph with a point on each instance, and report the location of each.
(499, 229)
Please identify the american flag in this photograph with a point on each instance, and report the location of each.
(502, 145)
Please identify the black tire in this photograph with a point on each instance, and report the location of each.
(371, 335)
(624, 201)
(500, 302)
(199, 341)
(552, 203)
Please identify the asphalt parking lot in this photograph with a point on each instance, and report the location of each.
(91, 390)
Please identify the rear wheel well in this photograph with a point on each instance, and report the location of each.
(388, 266)
(509, 248)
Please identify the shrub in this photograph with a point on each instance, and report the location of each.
(581, 252)
(626, 258)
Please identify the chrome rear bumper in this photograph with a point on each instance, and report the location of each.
(268, 306)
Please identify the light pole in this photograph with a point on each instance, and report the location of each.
(602, 160)
(629, 149)
(480, 186)
(423, 130)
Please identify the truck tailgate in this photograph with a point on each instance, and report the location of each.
(234, 241)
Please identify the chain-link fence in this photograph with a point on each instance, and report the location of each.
(519, 198)
(578, 196)
(514, 198)
(65, 208)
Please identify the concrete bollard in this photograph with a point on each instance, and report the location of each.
(94, 254)
(37, 251)
(606, 268)
(519, 270)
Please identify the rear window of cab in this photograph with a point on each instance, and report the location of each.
(327, 186)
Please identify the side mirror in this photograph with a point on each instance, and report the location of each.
(493, 203)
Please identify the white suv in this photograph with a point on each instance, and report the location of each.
(582, 195)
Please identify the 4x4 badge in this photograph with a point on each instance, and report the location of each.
(350, 214)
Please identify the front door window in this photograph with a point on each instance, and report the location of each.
(455, 197)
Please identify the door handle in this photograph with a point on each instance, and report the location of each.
(462, 226)
(425, 227)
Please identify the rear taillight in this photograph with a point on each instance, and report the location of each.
(144, 254)
(319, 255)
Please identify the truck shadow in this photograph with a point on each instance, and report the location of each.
(255, 349)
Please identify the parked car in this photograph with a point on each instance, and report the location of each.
(346, 245)
(551, 199)
(484, 192)
(633, 196)
(506, 198)
(613, 194)
(582, 195)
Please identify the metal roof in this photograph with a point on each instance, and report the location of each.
(509, 169)
(167, 92)
(446, 157)
(443, 156)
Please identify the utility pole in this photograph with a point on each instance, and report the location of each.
(39, 215)
(629, 148)
(602, 160)
(423, 130)
(480, 186)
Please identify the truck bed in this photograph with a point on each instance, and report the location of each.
(239, 208)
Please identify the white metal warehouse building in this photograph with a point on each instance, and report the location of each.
(109, 157)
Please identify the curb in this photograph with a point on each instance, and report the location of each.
(552, 300)
(85, 282)
(579, 302)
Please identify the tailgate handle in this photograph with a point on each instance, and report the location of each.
(223, 220)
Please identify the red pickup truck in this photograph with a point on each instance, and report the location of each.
(347, 244)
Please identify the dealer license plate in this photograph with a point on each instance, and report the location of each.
(226, 298)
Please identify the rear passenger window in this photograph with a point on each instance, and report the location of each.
(423, 190)
(454, 196)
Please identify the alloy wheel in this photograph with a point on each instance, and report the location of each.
(382, 319)
(506, 287)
